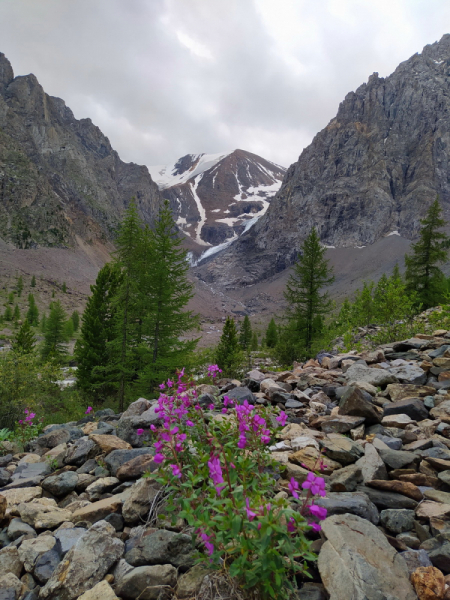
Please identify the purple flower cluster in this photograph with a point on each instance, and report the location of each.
(28, 418)
(213, 370)
(89, 409)
(250, 421)
(316, 487)
(215, 472)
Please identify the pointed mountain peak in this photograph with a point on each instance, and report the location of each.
(6, 73)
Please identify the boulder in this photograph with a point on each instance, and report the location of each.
(108, 443)
(100, 591)
(371, 464)
(240, 395)
(311, 458)
(146, 583)
(399, 487)
(163, 547)
(397, 520)
(189, 583)
(341, 449)
(398, 459)
(340, 423)
(10, 587)
(355, 503)
(85, 564)
(357, 403)
(346, 479)
(141, 496)
(429, 583)
(413, 407)
(408, 373)
(117, 458)
(384, 499)
(81, 451)
(376, 377)
(62, 484)
(10, 561)
(97, 511)
(31, 550)
(358, 562)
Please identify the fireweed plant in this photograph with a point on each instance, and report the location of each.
(219, 471)
(28, 428)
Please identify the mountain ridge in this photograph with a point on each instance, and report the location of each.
(374, 169)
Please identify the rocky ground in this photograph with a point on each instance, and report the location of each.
(78, 519)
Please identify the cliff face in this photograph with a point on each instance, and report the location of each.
(373, 170)
(215, 197)
(59, 176)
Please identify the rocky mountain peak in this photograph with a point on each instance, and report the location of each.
(215, 197)
(6, 72)
(371, 172)
(61, 182)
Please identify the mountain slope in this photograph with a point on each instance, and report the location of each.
(215, 197)
(372, 171)
(60, 179)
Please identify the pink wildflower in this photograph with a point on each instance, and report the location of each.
(315, 484)
(282, 418)
(293, 487)
(139, 432)
(176, 471)
(89, 409)
(250, 514)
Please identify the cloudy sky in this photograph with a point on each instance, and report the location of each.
(164, 78)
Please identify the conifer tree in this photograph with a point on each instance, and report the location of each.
(11, 298)
(245, 334)
(68, 330)
(91, 349)
(123, 364)
(19, 286)
(8, 315)
(24, 341)
(54, 336)
(422, 275)
(271, 334)
(75, 320)
(33, 312)
(16, 314)
(228, 352)
(33, 281)
(43, 323)
(166, 291)
(306, 303)
(254, 341)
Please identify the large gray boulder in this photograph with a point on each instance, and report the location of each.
(85, 564)
(358, 563)
(376, 377)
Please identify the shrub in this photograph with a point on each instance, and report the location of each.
(219, 470)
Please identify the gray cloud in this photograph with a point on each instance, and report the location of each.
(163, 78)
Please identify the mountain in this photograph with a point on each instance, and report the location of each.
(371, 172)
(216, 197)
(61, 182)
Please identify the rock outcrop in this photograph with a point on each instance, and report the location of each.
(373, 171)
(60, 179)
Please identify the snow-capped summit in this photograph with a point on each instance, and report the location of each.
(215, 197)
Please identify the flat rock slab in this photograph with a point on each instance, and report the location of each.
(355, 503)
(376, 377)
(358, 563)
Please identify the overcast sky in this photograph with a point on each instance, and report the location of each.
(164, 78)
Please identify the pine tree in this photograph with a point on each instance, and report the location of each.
(245, 334)
(8, 315)
(11, 298)
(19, 286)
(24, 341)
(228, 353)
(271, 334)
(422, 275)
(165, 292)
(306, 304)
(54, 336)
(33, 281)
(75, 320)
(43, 323)
(33, 312)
